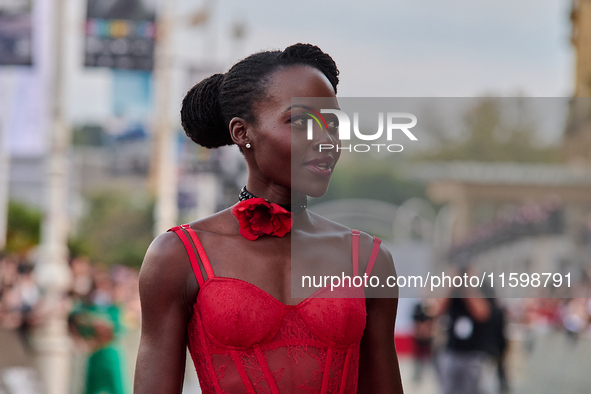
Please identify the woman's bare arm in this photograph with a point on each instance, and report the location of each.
(378, 363)
(165, 291)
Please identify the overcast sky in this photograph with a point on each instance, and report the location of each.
(420, 47)
(403, 48)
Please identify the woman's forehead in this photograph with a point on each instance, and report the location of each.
(298, 81)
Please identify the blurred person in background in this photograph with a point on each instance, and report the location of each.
(423, 330)
(29, 296)
(126, 294)
(10, 317)
(465, 317)
(81, 277)
(575, 317)
(19, 298)
(96, 320)
(19, 312)
(497, 343)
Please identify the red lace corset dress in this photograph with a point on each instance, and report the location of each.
(243, 340)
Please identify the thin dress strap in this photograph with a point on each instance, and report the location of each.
(178, 230)
(355, 236)
(374, 255)
(372, 258)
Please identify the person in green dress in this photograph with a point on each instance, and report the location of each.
(99, 322)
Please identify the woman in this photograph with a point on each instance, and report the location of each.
(223, 285)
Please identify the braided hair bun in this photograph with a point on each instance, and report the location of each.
(209, 106)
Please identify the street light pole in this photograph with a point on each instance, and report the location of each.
(52, 272)
(166, 210)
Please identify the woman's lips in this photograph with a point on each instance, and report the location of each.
(321, 166)
(318, 170)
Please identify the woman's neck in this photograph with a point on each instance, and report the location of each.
(296, 203)
(273, 193)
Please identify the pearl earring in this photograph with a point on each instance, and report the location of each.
(248, 145)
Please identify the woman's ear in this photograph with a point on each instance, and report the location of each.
(238, 131)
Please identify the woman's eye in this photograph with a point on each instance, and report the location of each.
(333, 124)
(298, 121)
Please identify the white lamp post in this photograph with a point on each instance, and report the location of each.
(52, 272)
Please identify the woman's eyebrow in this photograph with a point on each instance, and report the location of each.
(295, 106)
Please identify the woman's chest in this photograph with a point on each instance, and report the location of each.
(236, 314)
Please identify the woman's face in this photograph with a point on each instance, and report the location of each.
(284, 155)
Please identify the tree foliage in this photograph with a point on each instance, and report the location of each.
(24, 227)
(116, 229)
(373, 179)
(489, 136)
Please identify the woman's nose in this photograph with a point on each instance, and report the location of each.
(325, 137)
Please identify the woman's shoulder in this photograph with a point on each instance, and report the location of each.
(168, 247)
(166, 264)
(366, 241)
(339, 230)
(221, 223)
(160, 260)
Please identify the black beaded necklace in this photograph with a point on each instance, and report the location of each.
(299, 207)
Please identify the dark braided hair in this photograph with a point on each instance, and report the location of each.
(209, 106)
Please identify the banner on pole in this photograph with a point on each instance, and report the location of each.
(15, 33)
(120, 34)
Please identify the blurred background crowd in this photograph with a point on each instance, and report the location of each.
(94, 164)
(510, 351)
(516, 344)
(103, 307)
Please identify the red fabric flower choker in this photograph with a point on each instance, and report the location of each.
(257, 216)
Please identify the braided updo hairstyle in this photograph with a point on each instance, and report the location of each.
(209, 106)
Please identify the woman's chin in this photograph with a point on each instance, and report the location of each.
(311, 192)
